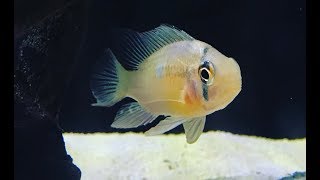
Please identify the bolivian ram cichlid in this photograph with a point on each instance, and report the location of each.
(168, 73)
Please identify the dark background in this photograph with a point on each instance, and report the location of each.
(267, 38)
(57, 42)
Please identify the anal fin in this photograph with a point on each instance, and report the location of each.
(165, 125)
(193, 127)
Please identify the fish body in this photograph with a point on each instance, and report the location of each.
(168, 73)
(160, 83)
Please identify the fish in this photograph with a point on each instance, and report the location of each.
(167, 73)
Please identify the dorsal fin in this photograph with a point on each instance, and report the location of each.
(132, 48)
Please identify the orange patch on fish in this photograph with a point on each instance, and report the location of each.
(190, 96)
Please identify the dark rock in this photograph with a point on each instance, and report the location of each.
(45, 56)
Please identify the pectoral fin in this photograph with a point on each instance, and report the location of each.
(193, 128)
(165, 125)
(132, 115)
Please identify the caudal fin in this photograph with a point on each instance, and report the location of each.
(108, 80)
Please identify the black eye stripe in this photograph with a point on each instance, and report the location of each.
(206, 64)
(205, 92)
(204, 72)
(205, 50)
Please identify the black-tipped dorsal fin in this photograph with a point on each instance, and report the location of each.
(132, 48)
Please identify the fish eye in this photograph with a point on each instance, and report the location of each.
(206, 72)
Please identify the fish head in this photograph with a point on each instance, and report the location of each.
(219, 80)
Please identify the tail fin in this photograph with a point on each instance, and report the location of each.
(108, 81)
